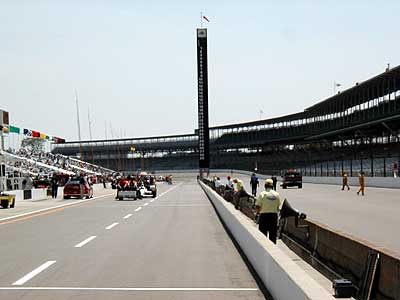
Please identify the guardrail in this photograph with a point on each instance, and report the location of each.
(379, 182)
(280, 275)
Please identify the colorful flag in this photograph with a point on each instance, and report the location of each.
(4, 129)
(42, 136)
(36, 134)
(27, 132)
(205, 18)
(14, 129)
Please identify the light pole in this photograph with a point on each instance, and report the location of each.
(133, 149)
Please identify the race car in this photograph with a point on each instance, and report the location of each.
(161, 178)
(147, 185)
(78, 187)
(127, 188)
(7, 200)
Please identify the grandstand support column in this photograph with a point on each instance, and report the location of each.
(1, 141)
(384, 166)
(372, 165)
(351, 167)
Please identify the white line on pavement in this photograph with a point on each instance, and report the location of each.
(128, 289)
(137, 209)
(34, 273)
(152, 200)
(53, 207)
(81, 244)
(128, 216)
(112, 225)
(145, 204)
(162, 194)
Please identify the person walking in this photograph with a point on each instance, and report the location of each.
(345, 181)
(274, 181)
(361, 180)
(254, 184)
(267, 205)
(54, 186)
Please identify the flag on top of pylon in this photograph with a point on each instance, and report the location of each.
(205, 18)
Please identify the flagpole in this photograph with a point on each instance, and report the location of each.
(201, 19)
(79, 124)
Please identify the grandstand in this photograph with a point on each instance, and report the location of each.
(22, 164)
(357, 129)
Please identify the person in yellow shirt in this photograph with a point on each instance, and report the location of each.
(267, 205)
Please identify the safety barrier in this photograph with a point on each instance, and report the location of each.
(327, 249)
(280, 275)
(380, 182)
(39, 194)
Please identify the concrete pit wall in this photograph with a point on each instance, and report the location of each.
(345, 254)
(281, 276)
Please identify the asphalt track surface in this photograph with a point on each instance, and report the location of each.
(373, 217)
(170, 247)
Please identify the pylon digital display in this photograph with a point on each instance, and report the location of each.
(202, 75)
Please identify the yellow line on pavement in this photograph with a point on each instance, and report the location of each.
(49, 211)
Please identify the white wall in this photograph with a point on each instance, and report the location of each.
(39, 194)
(19, 195)
(380, 182)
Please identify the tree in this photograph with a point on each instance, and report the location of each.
(34, 144)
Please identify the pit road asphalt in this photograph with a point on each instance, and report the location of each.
(170, 247)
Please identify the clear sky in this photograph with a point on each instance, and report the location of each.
(133, 63)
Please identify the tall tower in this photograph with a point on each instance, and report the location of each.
(202, 92)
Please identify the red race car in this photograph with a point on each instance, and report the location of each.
(78, 187)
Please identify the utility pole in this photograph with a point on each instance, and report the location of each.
(77, 115)
(90, 124)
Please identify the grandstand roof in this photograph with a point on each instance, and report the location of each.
(291, 117)
(341, 99)
(133, 138)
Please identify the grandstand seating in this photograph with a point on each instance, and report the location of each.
(45, 164)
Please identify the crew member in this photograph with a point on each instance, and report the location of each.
(267, 205)
(361, 180)
(254, 184)
(54, 186)
(238, 192)
(345, 182)
(229, 183)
